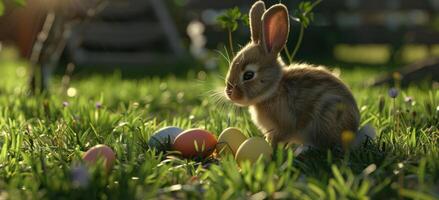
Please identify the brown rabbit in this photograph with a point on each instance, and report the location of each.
(298, 103)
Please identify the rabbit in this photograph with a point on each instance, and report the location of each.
(299, 103)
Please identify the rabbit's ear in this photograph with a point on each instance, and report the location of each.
(255, 15)
(275, 28)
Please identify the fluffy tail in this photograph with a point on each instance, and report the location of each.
(365, 132)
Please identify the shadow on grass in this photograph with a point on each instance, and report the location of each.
(178, 68)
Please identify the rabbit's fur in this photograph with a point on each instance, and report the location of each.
(298, 103)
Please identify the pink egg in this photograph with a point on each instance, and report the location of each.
(100, 152)
(195, 143)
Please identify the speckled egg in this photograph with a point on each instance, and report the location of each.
(100, 152)
(252, 149)
(195, 143)
(229, 141)
(164, 136)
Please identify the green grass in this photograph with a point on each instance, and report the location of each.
(42, 141)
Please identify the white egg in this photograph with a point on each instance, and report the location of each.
(164, 136)
(252, 149)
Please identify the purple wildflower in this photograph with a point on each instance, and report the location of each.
(80, 176)
(98, 105)
(393, 92)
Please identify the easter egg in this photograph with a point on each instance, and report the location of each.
(230, 140)
(100, 152)
(164, 136)
(195, 143)
(252, 149)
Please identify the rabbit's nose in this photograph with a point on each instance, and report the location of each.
(229, 89)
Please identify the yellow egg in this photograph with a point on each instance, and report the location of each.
(230, 140)
(252, 149)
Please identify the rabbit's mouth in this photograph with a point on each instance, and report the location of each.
(235, 95)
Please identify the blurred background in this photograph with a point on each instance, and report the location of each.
(156, 37)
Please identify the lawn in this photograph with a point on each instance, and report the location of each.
(43, 137)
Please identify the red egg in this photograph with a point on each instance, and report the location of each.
(195, 143)
(100, 152)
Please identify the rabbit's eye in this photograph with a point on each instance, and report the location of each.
(248, 75)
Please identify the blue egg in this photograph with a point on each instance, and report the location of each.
(164, 137)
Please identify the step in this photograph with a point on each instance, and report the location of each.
(121, 59)
(120, 36)
(126, 11)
